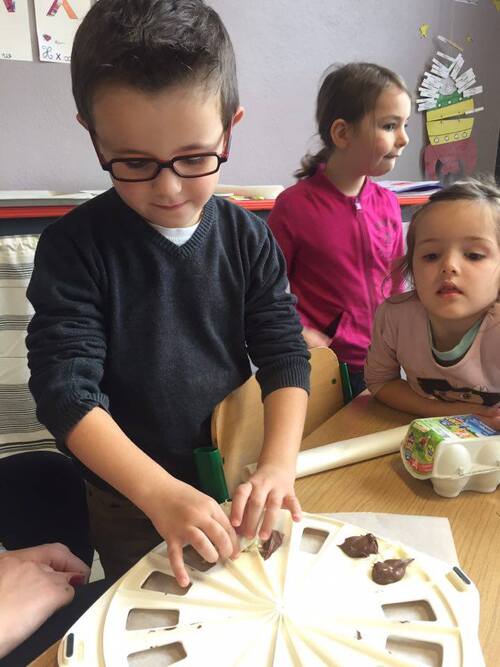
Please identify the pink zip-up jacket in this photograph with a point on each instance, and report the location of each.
(340, 252)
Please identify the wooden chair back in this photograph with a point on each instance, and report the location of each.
(238, 421)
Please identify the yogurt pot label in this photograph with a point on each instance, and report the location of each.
(426, 435)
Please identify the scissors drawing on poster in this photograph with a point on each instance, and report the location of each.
(62, 3)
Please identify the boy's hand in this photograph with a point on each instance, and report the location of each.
(315, 338)
(187, 516)
(269, 489)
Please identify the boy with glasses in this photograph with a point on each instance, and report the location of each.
(149, 298)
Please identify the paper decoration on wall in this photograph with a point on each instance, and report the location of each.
(65, 4)
(15, 38)
(424, 29)
(445, 40)
(446, 97)
(56, 24)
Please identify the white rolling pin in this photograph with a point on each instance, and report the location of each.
(344, 452)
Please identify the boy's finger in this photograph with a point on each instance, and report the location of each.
(230, 531)
(199, 541)
(240, 499)
(253, 513)
(177, 564)
(273, 506)
(291, 503)
(220, 539)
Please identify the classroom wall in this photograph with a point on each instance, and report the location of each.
(282, 47)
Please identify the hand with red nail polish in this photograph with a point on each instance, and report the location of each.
(77, 580)
(56, 555)
(34, 583)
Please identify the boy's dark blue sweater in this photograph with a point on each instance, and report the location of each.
(157, 334)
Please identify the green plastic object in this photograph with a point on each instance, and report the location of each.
(346, 383)
(208, 462)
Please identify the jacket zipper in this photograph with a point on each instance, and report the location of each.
(368, 281)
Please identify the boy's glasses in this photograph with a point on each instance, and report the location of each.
(138, 169)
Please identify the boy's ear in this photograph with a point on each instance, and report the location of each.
(340, 133)
(240, 112)
(81, 121)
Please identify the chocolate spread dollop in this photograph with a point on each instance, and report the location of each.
(360, 546)
(390, 571)
(274, 542)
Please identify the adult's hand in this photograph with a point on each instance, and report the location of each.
(55, 555)
(30, 592)
(33, 584)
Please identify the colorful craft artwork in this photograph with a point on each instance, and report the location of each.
(15, 40)
(62, 3)
(424, 29)
(446, 97)
(56, 23)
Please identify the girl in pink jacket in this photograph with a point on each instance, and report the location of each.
(445, 334)
(340, 231)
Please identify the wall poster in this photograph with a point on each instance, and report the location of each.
(15, 38)
(56, 24)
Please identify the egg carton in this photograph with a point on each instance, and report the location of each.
(308, 604)
(457, 454)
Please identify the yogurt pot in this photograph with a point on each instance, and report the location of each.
(457, 454)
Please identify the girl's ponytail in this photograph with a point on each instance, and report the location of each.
(348, 92)
(310, 163)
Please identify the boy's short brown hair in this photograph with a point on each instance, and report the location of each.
(151, 45)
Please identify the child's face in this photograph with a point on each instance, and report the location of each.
(456, 262)
(162, 125)
(380, 137)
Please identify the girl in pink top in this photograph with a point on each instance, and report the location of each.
(446, 333)
(338, 230)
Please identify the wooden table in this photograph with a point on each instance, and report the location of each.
(382, 485)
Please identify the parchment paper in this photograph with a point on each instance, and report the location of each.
(344, 452)
(430, 534)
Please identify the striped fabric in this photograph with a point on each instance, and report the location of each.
(20, 430)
